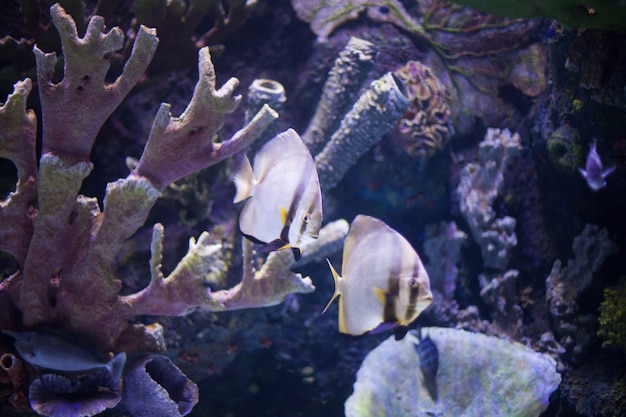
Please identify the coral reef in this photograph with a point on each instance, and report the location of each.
(477, 375)
(499, 291)
(576, 332)
(474, 54)
(54, 288)
(478, 188)
(613, 316)
(426, 127)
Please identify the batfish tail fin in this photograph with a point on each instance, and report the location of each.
(337, 292)
(243, 178)
(116, 366)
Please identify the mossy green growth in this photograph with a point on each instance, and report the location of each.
(565, 149)
(594, 14)
(613, 315)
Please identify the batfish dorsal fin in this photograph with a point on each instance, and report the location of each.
(243, 179)
(285, 144)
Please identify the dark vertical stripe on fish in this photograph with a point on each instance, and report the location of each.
(414, 291)
(391, 297)
(295, 202)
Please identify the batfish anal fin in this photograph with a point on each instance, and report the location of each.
(253, 239)
(399, 332)
(385, 326)
(276, 244)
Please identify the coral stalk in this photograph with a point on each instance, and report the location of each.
(179, 146)
(373, 115)
(344, 82)
(18, 133)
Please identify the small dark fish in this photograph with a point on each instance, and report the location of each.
(58, 353)
(429, 356)
(553, 33)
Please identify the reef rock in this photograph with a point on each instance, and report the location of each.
(478, 375)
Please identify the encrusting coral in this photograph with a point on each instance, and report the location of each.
(478, 375)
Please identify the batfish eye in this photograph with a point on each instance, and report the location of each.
(306, 218)
(413, 283)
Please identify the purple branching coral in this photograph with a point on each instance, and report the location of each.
(65, 245)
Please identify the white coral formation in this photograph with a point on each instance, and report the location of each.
(477, 190)
(478, 375)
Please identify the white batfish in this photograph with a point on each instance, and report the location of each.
(383, 284)
(285, 201)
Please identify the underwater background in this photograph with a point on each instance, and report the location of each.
(471, 149)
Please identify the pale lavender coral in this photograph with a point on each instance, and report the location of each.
(478, 188)
(155, 387)
(478, 375)
(56, 395)
(499, 291)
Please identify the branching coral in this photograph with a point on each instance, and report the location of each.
(65, 244)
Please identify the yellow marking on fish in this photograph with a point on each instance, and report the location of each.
(283, 214)
(381, 295)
